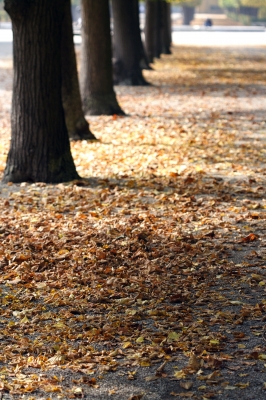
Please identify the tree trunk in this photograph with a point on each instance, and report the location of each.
(188, 14)
(77, 126)
(97, 90)
(150, 27)
(158, 30)
(39, 150)
(144, 63)
(166, 32)
(127, 69)
(153, 29)
(169, 25)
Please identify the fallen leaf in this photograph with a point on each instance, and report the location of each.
(186, 385)
(250, 238)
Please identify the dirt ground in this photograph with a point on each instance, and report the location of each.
(147, 280)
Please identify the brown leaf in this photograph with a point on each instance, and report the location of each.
(250, 238)
(186, 385)
(194, 362)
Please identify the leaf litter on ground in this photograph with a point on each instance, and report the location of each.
(146, 279)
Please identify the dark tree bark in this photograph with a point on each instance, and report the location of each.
(188, 14)
(97, 90)
(77, 126)
(169, 25)
(158, 30)
(127, 69)
(166, 30)
(153, 29)
(39, 149)
(143, 59)
(150, 28)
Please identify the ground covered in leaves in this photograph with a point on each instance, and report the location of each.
(148, 280)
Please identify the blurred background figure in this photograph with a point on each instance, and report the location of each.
(208, 22)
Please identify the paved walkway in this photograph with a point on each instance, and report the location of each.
(233, 36)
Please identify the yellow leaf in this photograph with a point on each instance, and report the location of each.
(131, 312)
(77, 390)
(52, 388)
(56, 360)
(24, 320)
(59, 325)
(145, 362)
(199, 169)
(214, 342)
(173, 336)
(140, 339)
(63, 251)
(242, 385)
(41, 285)
(180, 374)
(126, 345)
(203, 387)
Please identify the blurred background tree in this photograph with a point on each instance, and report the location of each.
(247, 12)
(3, 15)
(188, 10)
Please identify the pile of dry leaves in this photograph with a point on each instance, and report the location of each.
(148, 277)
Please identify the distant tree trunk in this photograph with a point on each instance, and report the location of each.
(39, 150)
(143, 59)
(150, 28)
(250, 11)
(166, 32)
(158, 30)
(169, 25)
(77, 126)
(127, 69)
(188, 14)
(97, 90)
(153, 29)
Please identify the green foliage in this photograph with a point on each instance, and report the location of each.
(229, 3)
(253, 3)
(233, 10)
(246, 3)
(75, 2)
(262, 13)
(189, 3)
(4, 16)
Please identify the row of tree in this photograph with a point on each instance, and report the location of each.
(245, 11)
(238, 3)
(48, 103)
